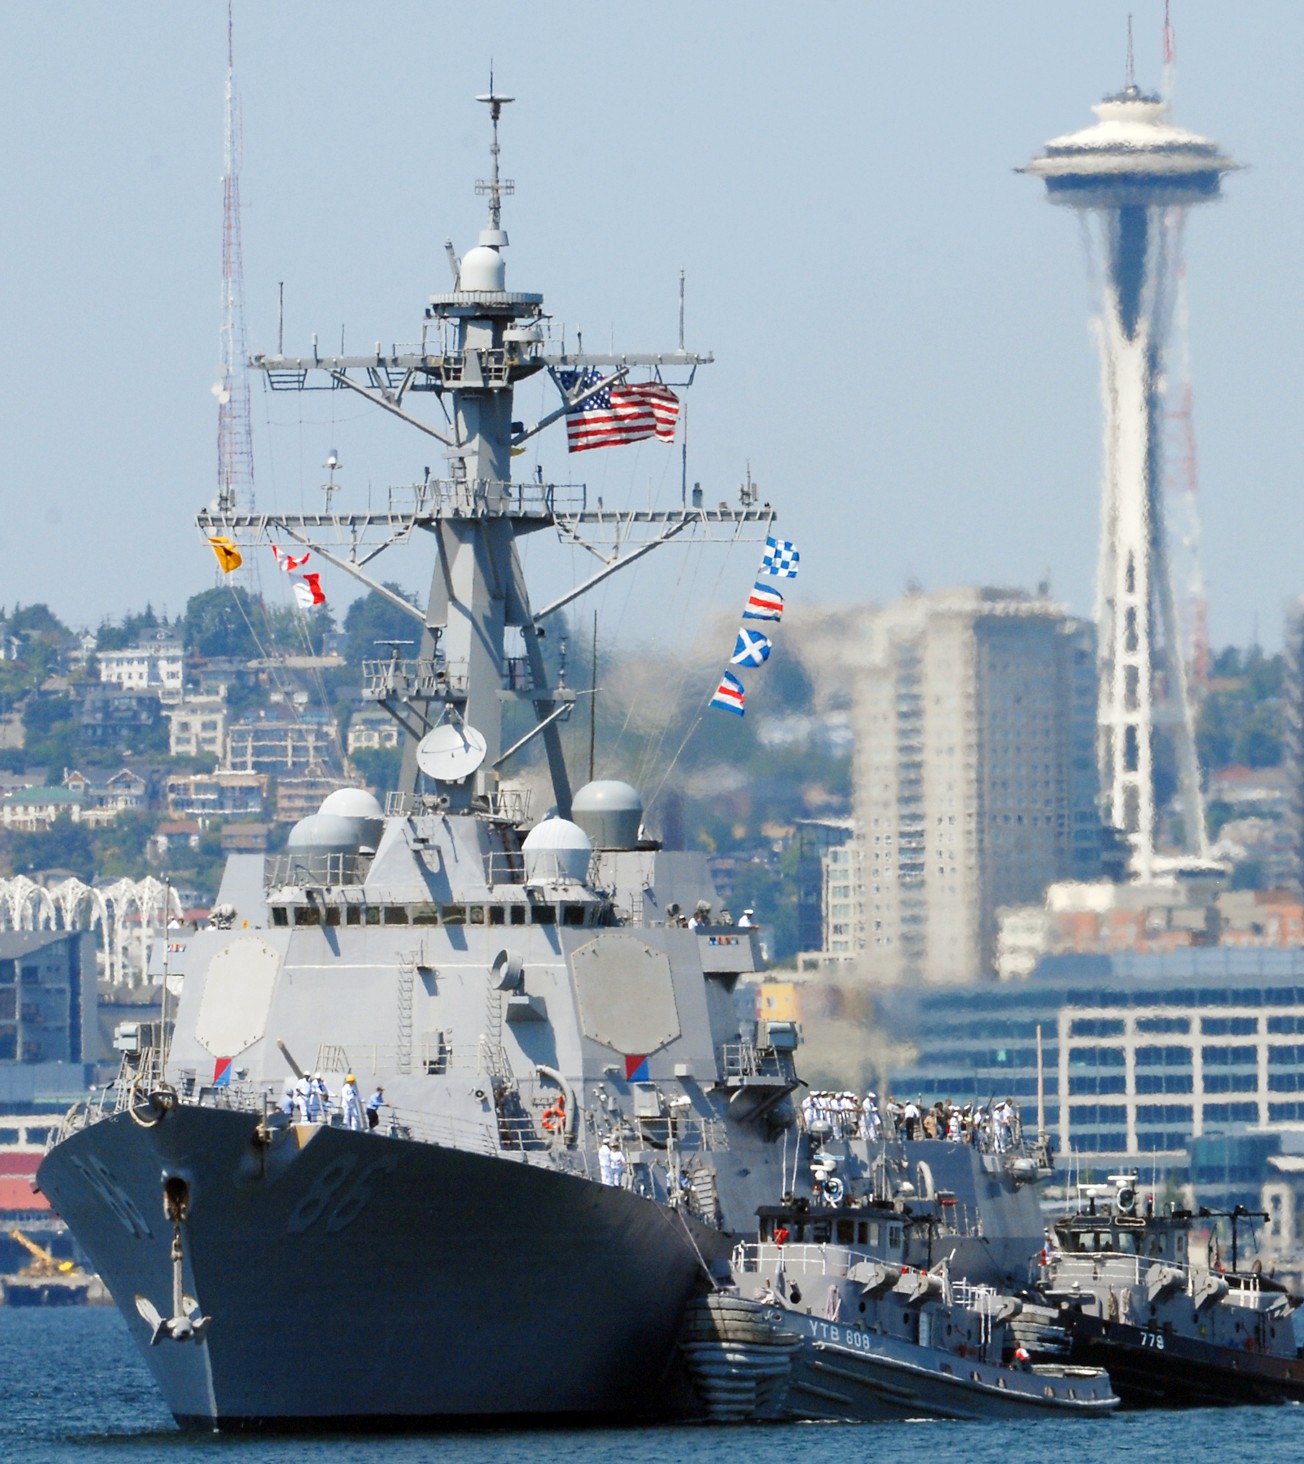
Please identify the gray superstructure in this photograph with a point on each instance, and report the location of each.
(576, 1127)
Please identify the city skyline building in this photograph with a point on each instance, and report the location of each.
(974, 778)
(1131, 176)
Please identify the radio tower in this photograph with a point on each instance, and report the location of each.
(1123, 175)
(235, 453)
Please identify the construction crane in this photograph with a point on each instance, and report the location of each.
(43, 1262)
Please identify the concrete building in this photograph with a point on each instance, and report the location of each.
(1143, 1053)
(975, 775)
(47, 1003)
(197, 727)
(371, 728)
(158, 666)
(34, 809)
(281, 743)
(116, 716)
(216, 795)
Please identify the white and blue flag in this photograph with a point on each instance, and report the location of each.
(729, 695)
(751, 649)
(763, 604)
(781, 558)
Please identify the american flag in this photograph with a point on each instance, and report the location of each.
(620, 413)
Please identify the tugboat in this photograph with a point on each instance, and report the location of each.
(831, 1314)
(1173, 1329)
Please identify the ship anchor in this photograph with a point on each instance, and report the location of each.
(187, 1323)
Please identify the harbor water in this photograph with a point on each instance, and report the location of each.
(73, 1390)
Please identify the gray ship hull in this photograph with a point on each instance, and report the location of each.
(847, 1373)
(367, 1280)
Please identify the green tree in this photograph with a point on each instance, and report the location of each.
(64, 845)
(219, 622)
(37, 620)
(379, 766)
(373, 618)
(133, 629)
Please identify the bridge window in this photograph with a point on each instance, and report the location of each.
(280, 916)
(307, 915)
(395, 915)
(425, 915)
(573, 915)
(543, 915)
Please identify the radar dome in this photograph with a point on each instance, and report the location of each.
(482, 268)
(361, 808)
(610, 813)
(556, 849)
(326, 833)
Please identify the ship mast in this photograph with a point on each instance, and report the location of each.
(478, 341)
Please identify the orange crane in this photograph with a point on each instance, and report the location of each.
(43, 1262)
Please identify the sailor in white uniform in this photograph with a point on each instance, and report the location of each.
(351, 1103)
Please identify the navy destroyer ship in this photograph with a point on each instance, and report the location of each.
(575, 1128)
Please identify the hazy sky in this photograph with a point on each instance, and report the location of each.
(900, 321)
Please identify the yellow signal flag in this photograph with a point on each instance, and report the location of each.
(228, 556)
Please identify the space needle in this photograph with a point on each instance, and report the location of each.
(1130, 176)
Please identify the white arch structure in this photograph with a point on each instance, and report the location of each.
(128, 913)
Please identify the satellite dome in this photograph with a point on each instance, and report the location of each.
(556, 849)
(352, 803)
(482, 268)
(361, 809)
(610, 813)
(327, 833)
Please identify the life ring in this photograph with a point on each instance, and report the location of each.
(554, 1116)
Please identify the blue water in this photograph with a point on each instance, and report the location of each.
(72, 1388)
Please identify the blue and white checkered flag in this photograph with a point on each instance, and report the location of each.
(781, 558)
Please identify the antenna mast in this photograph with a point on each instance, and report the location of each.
(235, 453)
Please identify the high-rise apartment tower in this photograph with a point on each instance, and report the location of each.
(975, 775)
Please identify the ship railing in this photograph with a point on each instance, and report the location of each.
(421, 676)
(746, 1060)
(485, 497)
(511, 804)
(803, 1258)
(1243, 1288)
(684, 1134)
(139, 1074)
(976, 1297)
(504, 867)
(321, 870)
(433, 1056)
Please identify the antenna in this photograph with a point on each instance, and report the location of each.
(235, 453)
(1170, 56)
(496, 187)
(1131, 64)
